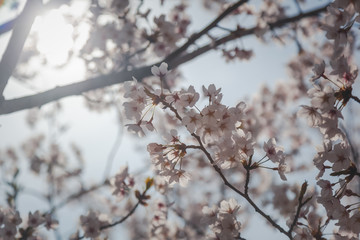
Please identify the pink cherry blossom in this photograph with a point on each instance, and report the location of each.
(160, 71)
(273, 152)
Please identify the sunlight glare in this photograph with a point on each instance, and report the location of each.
(54, 37)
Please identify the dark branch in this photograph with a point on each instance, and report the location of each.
(355, 98)
(224, 179)
(198, 35)
(122, 219)
(246, 32)
(37, 100)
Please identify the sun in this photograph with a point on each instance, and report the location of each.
(54, 37)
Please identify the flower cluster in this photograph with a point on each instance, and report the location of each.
(325, 114)
(92, 224)
(9, 221)
(121, 183)
(220, 128)
(10, 224)
(159, 220)
(166, 158)
(276, 154)
(222, 221)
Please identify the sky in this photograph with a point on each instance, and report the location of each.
(96, 133)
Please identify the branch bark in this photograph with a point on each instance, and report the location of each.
(245, 194)
(37, 100)
(16, 43)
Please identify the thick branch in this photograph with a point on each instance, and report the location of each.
(12, 53)
(37, 100)
(21, 28)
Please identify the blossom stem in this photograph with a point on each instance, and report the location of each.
(324, 76)
(262, 161)
(247, 181)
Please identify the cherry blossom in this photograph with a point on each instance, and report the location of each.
(35, 219)
(273, 152)
(160, 71)
(91, 224)
(200, 153)
(311, 114)
(318, 70)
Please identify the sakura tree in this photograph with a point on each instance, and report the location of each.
(286, 156)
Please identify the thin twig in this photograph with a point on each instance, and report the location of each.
(122, 219)
(247, 180)
(298, 6)
(300, 205)
(113, 152)
(355, 98)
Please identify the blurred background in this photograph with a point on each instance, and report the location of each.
(55, 55)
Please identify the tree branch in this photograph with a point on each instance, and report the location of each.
(245, 32)
(21, 26)
(196, 36)
(117, 222)
(224, 179)
(122, 219)
(37, 100)
(16, 43)
(355, 98)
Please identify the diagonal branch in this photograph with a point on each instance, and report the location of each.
(246, 32)
(198, 35)
(21, 26)
(37, 100)
(245, 195)
(16, 43)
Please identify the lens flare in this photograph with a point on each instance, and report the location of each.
(55, 37)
